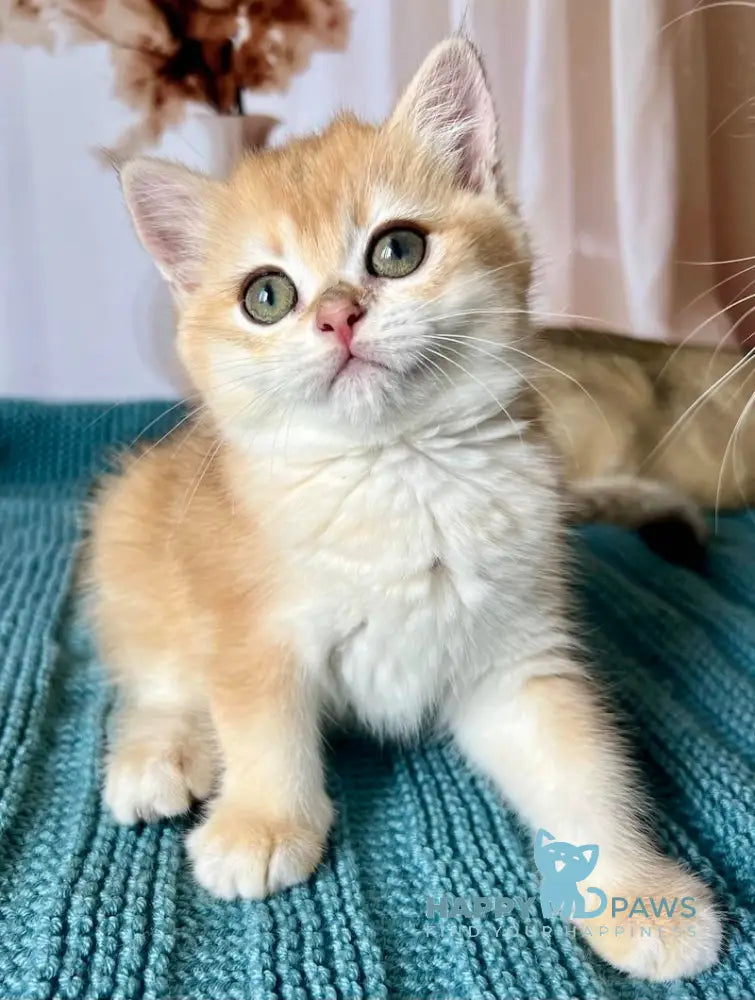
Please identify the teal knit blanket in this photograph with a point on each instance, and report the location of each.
(90, 909)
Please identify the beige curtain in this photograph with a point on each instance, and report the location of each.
(629, 131)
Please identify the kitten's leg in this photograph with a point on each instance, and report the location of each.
(550, 746)
(160, 757)
(266, 829)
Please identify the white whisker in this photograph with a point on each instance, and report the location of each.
(732, 443)
(492, 395)
(700, 401)
(697, 330)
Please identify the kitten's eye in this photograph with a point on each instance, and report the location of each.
(396, 252)
(269, 297)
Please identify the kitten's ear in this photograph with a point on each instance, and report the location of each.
(449, 107)
(542, 838)
(589, 852)
(167, 203)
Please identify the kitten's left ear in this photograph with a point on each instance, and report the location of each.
(448, 105)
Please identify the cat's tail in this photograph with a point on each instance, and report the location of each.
(602, 903)
(666, 519)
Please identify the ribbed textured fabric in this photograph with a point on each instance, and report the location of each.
(88, 909)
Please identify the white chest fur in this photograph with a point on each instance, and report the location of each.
(410, 566)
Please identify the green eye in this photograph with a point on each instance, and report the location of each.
(396, 253)
(269, 297)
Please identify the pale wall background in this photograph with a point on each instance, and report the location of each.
(626, 124)
(83, 313)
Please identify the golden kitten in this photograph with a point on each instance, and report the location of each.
(361, 526)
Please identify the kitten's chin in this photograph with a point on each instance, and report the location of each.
(364, 391)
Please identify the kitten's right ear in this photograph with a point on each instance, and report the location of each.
(449, 107)
(167, 203)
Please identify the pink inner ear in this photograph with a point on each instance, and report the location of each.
(477, 143)
(164, 221)
(450, 106)
(165, 202)
(164, 240)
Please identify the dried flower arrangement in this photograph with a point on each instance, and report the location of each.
(167, 53)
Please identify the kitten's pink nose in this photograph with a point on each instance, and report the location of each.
(339, 315)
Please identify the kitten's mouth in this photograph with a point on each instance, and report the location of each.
(354, 365)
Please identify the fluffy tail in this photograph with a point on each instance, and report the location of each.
(667, 520)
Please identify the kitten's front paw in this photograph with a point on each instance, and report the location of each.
(150, 780)
(237, 854)
(664, 947)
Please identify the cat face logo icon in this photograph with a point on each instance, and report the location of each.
(562, 865)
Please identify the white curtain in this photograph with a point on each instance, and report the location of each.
(626, 126)
(628, 129)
